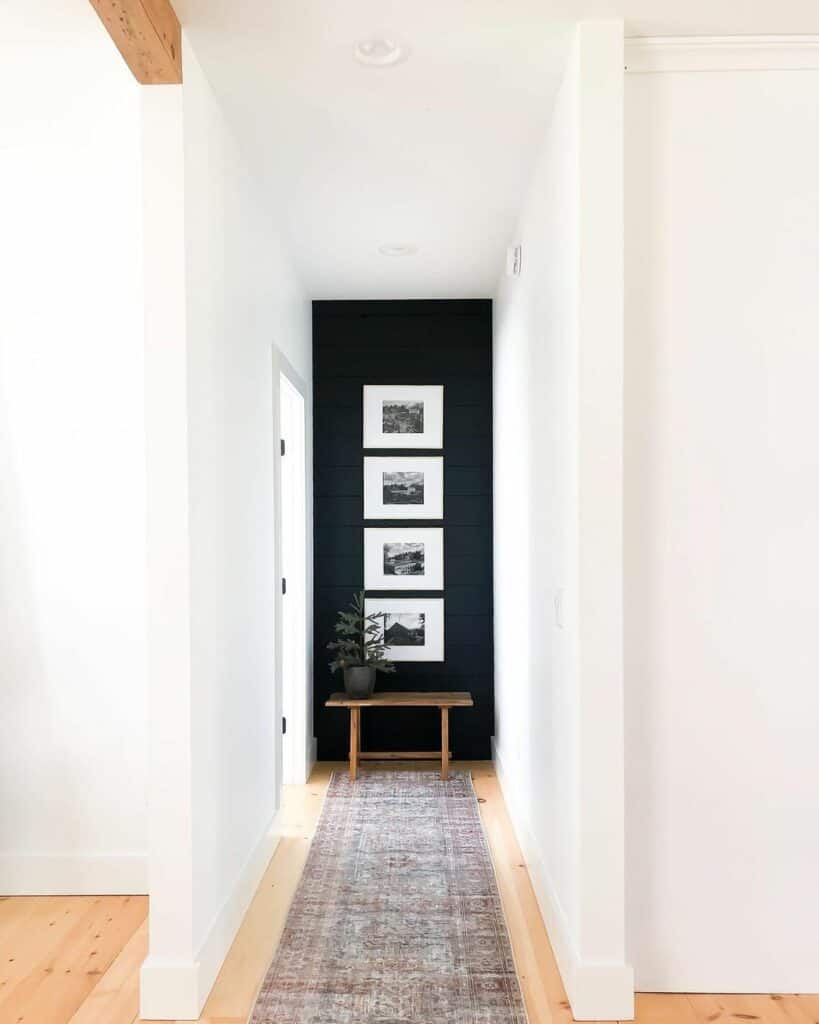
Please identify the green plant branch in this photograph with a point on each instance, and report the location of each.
(360, 640)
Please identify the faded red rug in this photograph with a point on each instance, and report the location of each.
(397, 918)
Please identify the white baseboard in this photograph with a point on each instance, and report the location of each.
(179, 990)
(169, 990)
(73, 875)
(226, 923)
(312, 757)
(596, 991)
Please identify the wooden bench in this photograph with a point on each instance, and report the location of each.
(444, 701)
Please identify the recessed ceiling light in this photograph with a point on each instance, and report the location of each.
(379, 52)
(398, 250)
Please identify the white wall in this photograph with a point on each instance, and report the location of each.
(72, 503)
(722, 546)
(239, 298)
(242, 299)
(557, 395)
(535, 516)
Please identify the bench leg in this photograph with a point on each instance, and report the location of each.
(444, 743)
(355, 740)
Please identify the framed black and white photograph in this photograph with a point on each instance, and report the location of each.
(403, 488)
(412, 628)
(403, 558)
(403, 416)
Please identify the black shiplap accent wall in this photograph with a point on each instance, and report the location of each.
(445, 342)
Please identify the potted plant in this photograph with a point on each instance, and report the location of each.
(359, 649)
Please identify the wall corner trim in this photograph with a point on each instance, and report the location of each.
(178, 990)
(656, 54)
(596, 991)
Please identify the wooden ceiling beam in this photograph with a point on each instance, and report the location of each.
(148, 35)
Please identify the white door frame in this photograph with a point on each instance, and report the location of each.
(300, 730)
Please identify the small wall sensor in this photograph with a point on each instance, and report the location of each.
(514, 255)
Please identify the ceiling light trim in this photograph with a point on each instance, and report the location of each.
(380, 51)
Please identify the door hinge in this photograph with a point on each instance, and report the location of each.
(284, 725)
(284, 585)
(283, 446)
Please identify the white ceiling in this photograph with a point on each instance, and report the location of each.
(435, 151)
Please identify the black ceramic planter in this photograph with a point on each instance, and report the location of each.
(359, 682)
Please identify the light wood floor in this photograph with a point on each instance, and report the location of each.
(75, 960)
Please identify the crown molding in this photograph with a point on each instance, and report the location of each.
(721, 53)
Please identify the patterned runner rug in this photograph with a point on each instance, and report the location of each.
(397, 918)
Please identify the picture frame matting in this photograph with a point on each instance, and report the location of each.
(404, 558)
(403, 487)
(413, 628)
(403, 415)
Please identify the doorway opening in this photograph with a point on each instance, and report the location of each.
(294, 590)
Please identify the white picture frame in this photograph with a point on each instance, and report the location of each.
(404, 558)
(403, 415)
(409, 487)
(419, 622)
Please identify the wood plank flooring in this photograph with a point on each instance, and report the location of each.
(56, 953)
(75, 960)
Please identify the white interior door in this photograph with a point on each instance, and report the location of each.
(294, 588)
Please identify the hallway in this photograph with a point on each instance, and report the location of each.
(33, 989)
(469, 343)
(114, 999)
